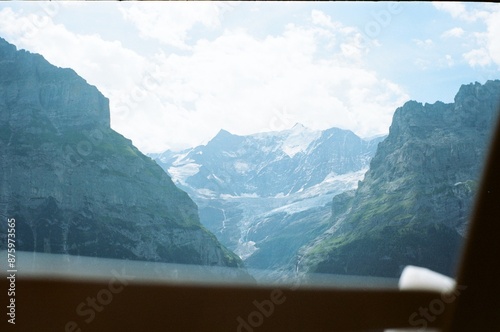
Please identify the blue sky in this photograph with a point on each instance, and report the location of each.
(176, 73)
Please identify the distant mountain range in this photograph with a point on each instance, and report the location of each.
(75, 186)
(266, 195)
(267, 164)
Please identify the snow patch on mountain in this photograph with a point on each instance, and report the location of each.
(298, 139)
(335, 183)
(241, 167)
(206, 193)
(245, 249)
(320, 194)
(180, 173)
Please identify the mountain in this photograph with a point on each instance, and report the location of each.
(75, 186)
(413, 205)
(265, 195)
(267, 164)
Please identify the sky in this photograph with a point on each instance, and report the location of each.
(177, 72)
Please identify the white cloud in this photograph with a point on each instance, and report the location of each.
(459, 10)
(312, 74)
(455, 9)
(493, 36)
(478, 57)
(487, 43)
(170, 24)
(320, 18)
(454, 32)
(423, 64)
(244, 84)
(104, 63)
(449, 60)
(424, 43)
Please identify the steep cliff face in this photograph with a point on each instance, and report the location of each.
(32, 88)
(76, 186)
(414, 203)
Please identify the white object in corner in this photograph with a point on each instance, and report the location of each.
(419, 278)
(414, 277)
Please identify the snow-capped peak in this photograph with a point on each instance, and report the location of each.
(298, 139)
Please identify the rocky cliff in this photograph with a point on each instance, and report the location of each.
(76, 186)
(413, 205)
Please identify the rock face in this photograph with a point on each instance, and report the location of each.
(266, 195)
(413, 205)
(76, 186)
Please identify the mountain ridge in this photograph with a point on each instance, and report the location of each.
(269, 145)
(413, 205)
